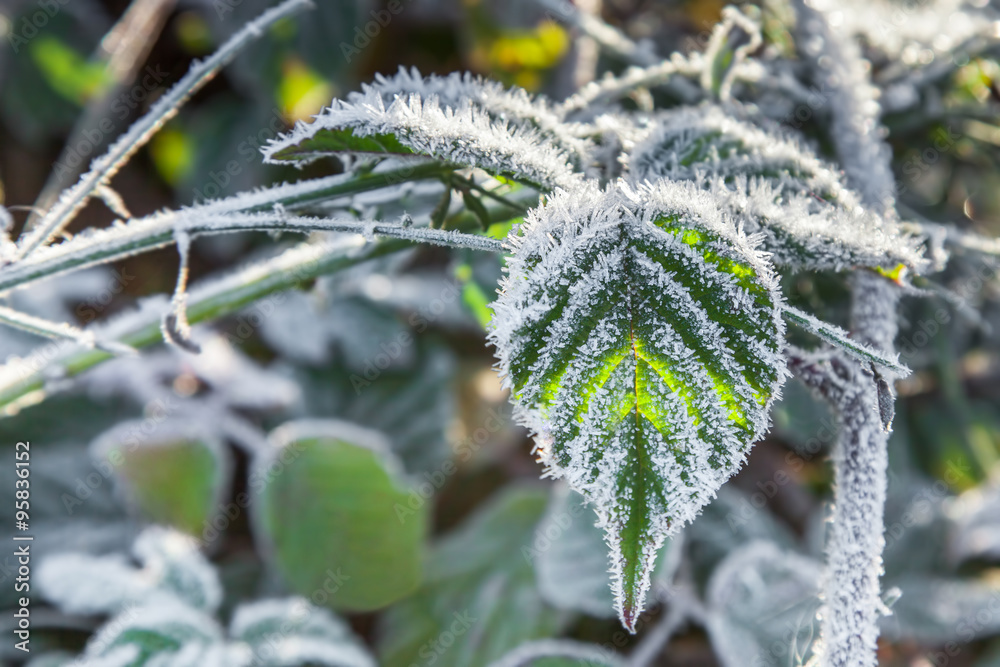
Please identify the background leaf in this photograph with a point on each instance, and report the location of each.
(333, 509)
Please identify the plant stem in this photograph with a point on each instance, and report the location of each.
(23, 381)
(156, 231)
(27, 381)
(854, 547)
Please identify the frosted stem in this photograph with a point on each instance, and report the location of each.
(143, 234)
(839, 338)
(854, 548)
(59, 330)
(611, 88)
(103, 168)
(176, 329)
(24, 379)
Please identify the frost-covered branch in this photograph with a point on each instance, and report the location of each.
(611, 88)
(100, 246)
(27, 378)
(852, 603)
(610, 38)
(59, 330)
(956, 238)
(103, 168)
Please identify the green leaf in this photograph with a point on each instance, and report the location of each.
(170, 634)
(282, 633)
(479, 598)
(330, 141)
(641, 336)
(460, 135)
(170, 477)
(329, 501)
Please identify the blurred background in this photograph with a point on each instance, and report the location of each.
(398, 344)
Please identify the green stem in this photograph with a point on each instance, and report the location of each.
(104, 246)
(22, 381)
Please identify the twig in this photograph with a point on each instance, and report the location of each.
(48, 329)
(840, 338)
(106, 245)
(124, 50)
(103, 168)
(612, 88)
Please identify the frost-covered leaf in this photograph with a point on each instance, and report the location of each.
(479, 598)
(172, 570)
(453, 128)
(763, 603)
(691, 142)
(936, 610)
(167, 633)
(641, 336)
(176, 475)
(335, 513)
(291, 632)
(808, 217)
(515, 106)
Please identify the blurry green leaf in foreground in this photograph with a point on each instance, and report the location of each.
(479, 598)
(287, 632)
(328, 500)
(168, 474)
(172, 570)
